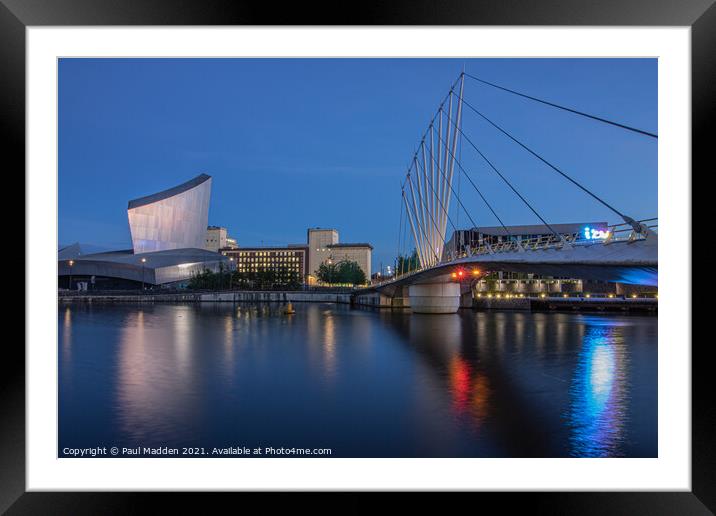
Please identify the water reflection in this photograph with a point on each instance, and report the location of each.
(495, 381)
(322, 340)
(598, 394)
(366, 383)
(67, 336)
(156, 374)
(229, 339)
(329, 345)
(470, 390)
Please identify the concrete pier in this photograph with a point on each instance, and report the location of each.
(434, 298)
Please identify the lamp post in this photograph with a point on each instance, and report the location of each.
(330, 271)
(71, 263)
(143, 262)
(231, 259)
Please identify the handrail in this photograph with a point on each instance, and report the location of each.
(542, 242)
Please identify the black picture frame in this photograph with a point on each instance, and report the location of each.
(16, 15)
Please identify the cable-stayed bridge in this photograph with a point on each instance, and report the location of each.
(625, 252)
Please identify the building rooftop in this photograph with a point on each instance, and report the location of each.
(350, 245)
(154, 259)
(171, 192)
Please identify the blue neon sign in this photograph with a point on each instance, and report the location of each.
(595, 234)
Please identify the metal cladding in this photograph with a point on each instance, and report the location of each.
(176, 218)
(158, 268)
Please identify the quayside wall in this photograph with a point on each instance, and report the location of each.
(212, 297)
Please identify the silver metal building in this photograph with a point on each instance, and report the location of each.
(176, 218)
(168, 231)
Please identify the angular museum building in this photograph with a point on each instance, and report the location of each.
(173, 219)
(168, 229)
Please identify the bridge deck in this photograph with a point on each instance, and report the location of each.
(631, 262)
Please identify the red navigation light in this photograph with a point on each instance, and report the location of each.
(460, 273)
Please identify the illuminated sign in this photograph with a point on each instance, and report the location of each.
(595, 234)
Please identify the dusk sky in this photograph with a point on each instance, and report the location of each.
(298, 143)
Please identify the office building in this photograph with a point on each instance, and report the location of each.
(217, 238)
(287, 263)
(318, 240)
(324, 245)
(360, 253)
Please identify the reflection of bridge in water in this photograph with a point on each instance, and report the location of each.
(626, 252)
(567, 396)
(366, 383)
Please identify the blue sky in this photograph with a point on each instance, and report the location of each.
(298, 143)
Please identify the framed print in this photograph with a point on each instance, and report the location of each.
(414, 250)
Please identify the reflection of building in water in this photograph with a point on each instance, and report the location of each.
(321, 339)
(329, 345)
(67, 335)
(155, 379)
(229, 340)
(598, 406)
(133, 391)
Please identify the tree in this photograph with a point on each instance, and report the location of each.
(205, 280)
(345, 271)
(327, 273)
(406, 264)
(350, 272)
(265, 279)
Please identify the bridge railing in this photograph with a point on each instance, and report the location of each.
(614, 233)
(625, 231)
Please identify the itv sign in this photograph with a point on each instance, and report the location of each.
(595, 233)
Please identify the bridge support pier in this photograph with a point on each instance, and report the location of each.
(466, 297)
(434, 298)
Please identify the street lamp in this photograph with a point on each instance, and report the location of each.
(330, 271)
(71, 262)
(231, 259)
(143, 262)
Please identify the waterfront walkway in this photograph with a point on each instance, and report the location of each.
(346, 296)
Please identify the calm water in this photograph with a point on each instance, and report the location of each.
(363, 383)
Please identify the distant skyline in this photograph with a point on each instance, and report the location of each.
(299, 143)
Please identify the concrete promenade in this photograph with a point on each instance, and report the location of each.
(373, 300)
(209, 297)
(595, 304)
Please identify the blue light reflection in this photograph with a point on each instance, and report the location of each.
(598, 401)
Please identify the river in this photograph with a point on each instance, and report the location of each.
(356, 382)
